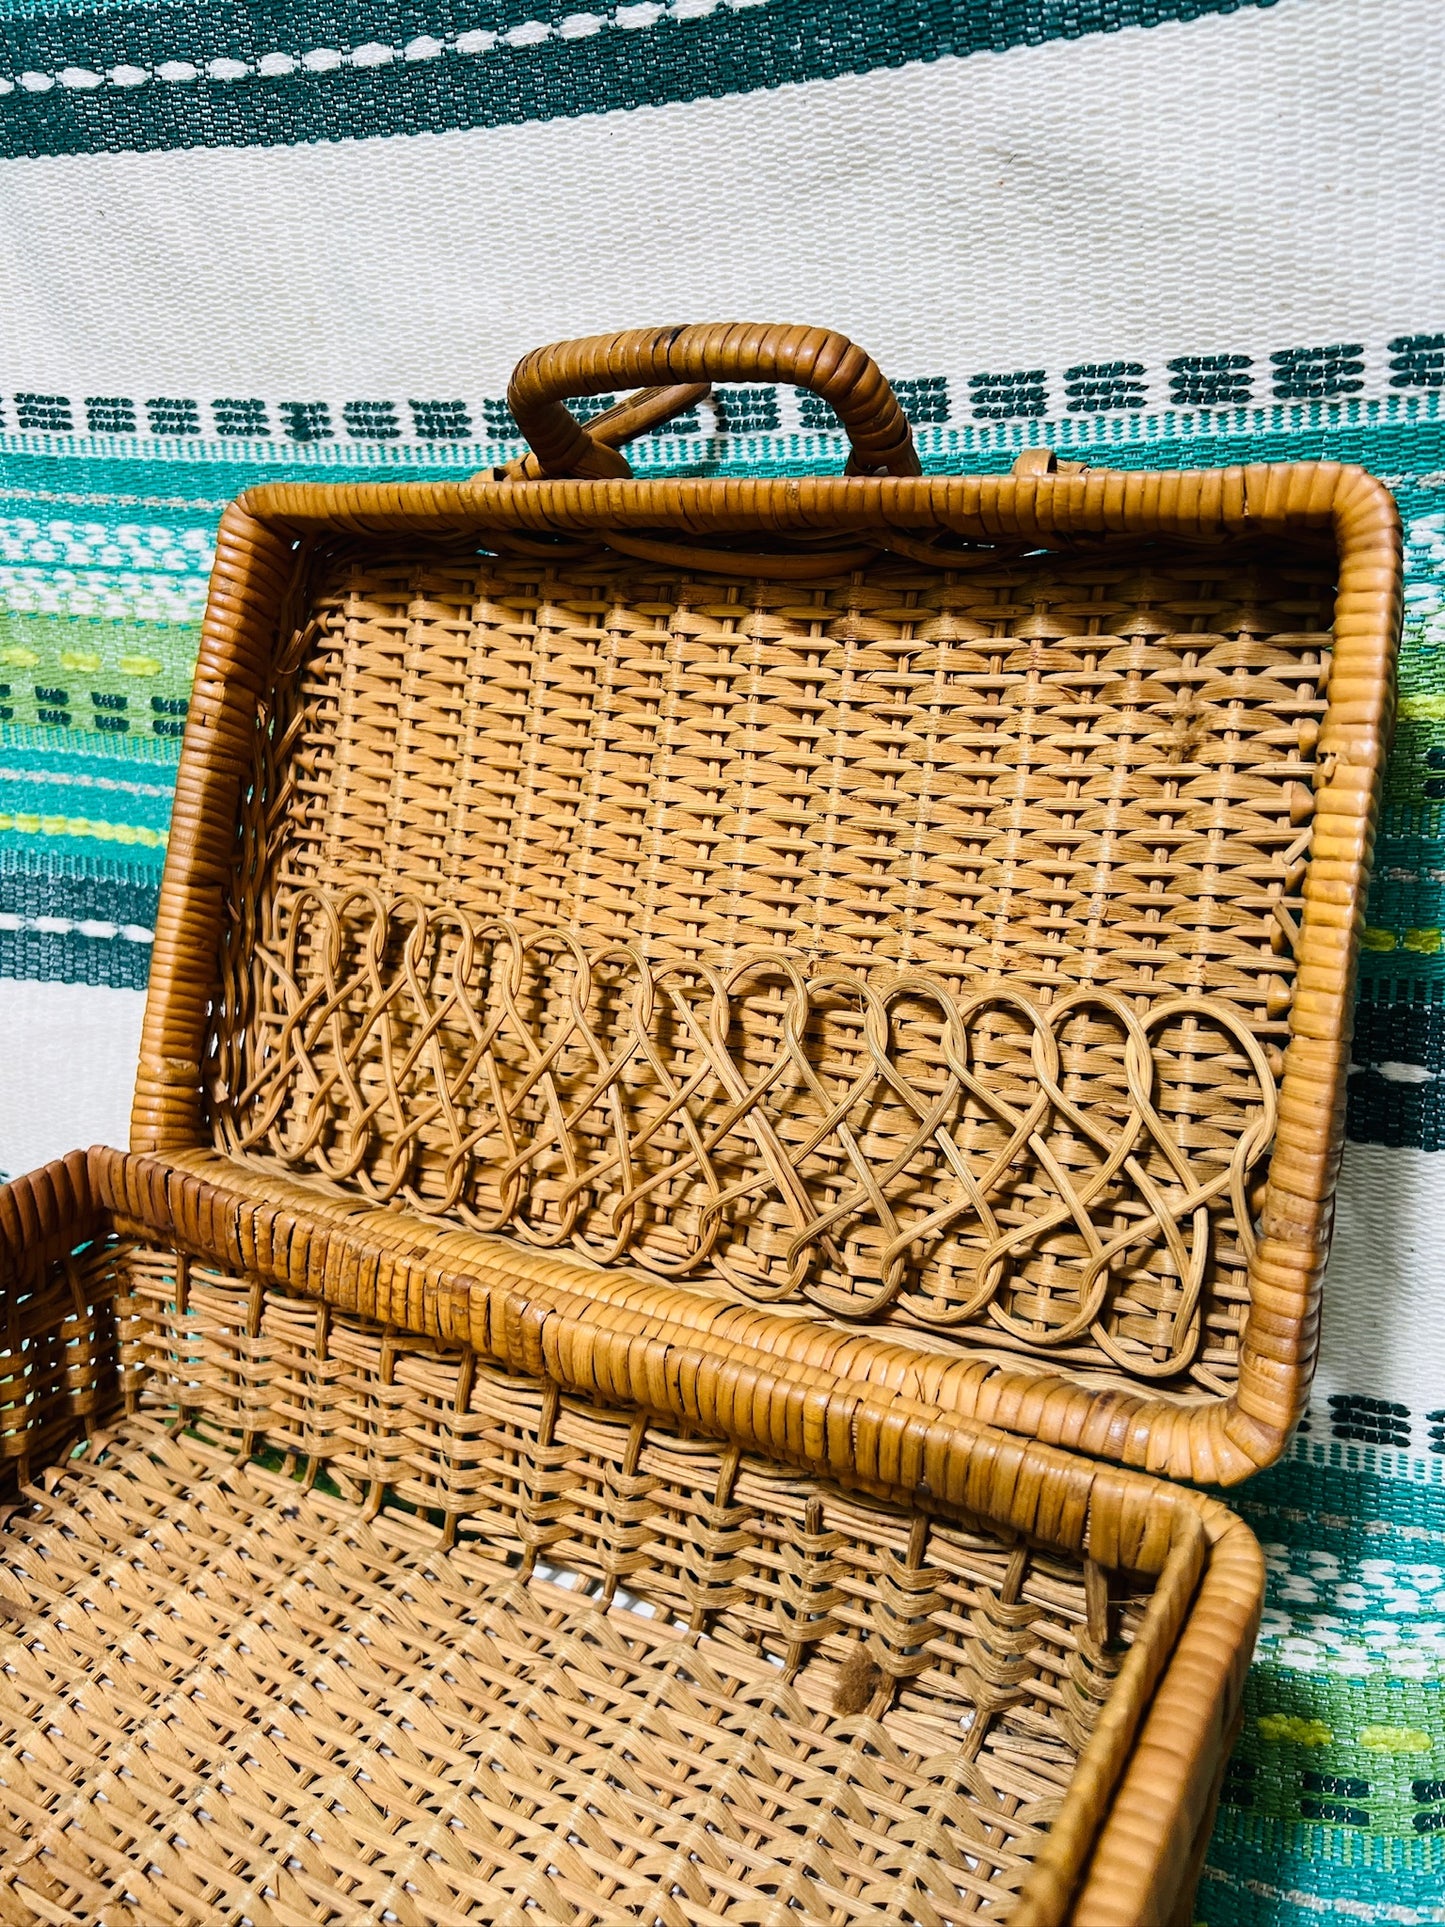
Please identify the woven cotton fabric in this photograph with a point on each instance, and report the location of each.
(306, 240)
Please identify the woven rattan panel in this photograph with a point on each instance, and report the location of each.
(917, 944)
(385, 1631)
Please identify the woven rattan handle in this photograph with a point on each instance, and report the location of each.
(640, 414)
(725, 351)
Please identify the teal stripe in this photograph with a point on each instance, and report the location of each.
(153, 754)
(68, 800)
(1396, 436)
(53, 755)
(1276, 1881)
(1300, 1502)
(653, 60)
(23, 845)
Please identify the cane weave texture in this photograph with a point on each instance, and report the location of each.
(919, 943)
(930, 901)
(170, 348)
(920, 903)
(340, 1622)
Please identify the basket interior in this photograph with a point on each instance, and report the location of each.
(338, 1619)
(918, 945)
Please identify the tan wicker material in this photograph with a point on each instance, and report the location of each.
(328, 1618)
(678, 1008)
(955, 944)
(879, 1144)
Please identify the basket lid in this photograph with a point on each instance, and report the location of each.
(921, 911)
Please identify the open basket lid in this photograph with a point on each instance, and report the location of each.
(907, 920)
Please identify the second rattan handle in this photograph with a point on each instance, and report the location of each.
(723, 351)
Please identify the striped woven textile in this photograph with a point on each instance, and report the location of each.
(302, 238)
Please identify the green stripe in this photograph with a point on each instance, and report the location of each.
(112, 678)
(738, 48)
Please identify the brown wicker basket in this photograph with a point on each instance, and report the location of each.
(685, 1013)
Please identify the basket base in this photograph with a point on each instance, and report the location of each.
(226, 1697)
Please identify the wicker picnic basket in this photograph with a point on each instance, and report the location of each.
(739, 1075)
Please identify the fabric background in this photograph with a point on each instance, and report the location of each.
(303, 238)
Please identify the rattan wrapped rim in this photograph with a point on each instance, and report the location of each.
(1124, 1849)
(264, 534)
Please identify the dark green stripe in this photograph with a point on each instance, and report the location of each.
(1408, 891)
(675, 60)
(1395, 450)
(1401, 1116)
(1401, 1029)
(117, 890)
(101, 892)
(1400, 1022)
(107, 963)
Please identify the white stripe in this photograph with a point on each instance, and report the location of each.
(106, 595)
(69, 1054)
(69, 926)
(76, 776)
(1396, 1073)
(1231, 184)
(225, 71)
(1383, 1329)
(67, 542)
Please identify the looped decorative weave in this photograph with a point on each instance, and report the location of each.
(864, 1139)
(916, 944)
